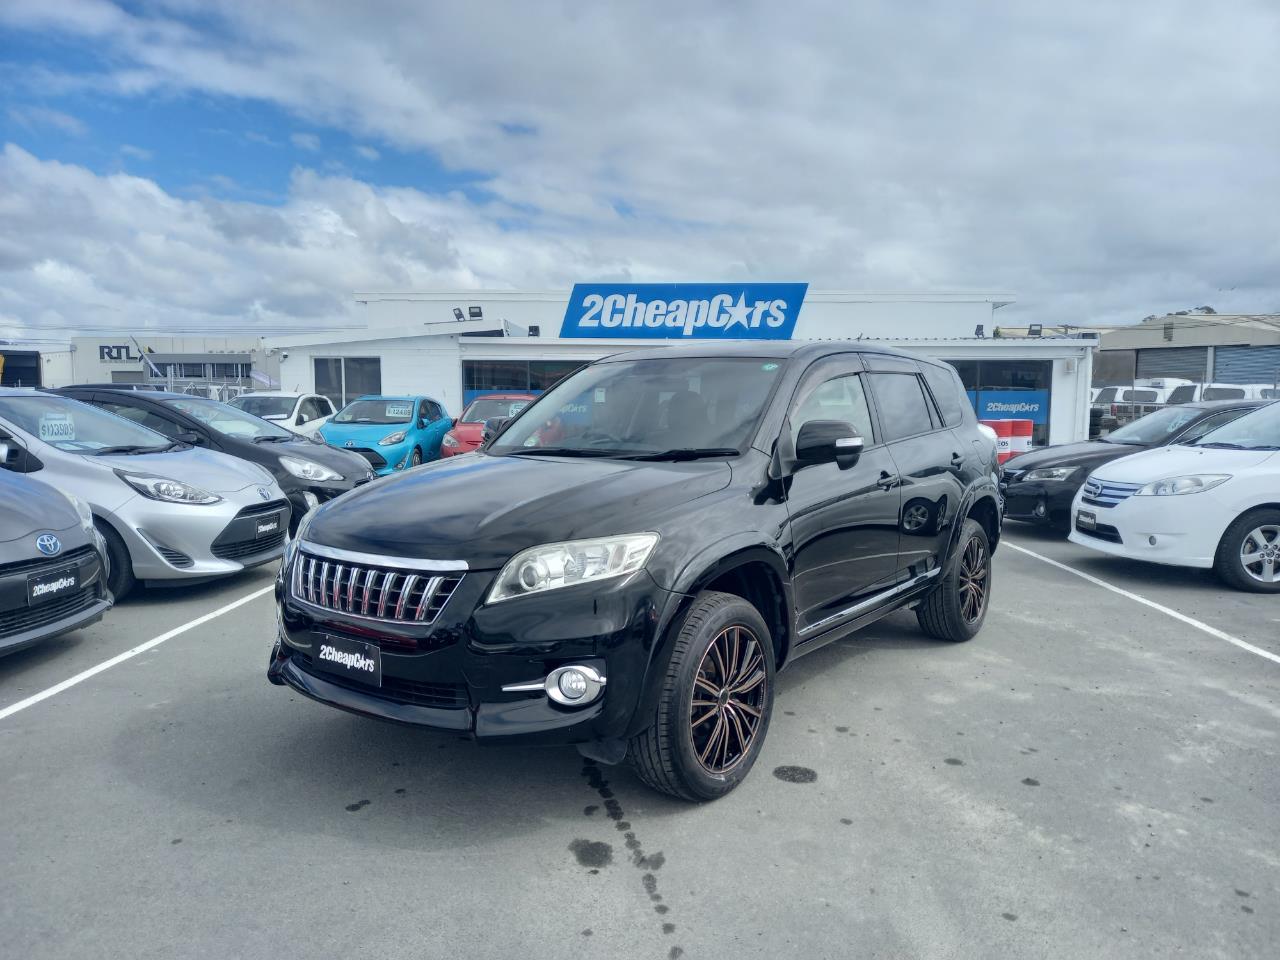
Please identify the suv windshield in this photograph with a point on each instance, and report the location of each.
(376, 411)
(228, 421)
(77, 427)
(1154, 427)
(264, 406)
(1259, 430)
(482, 408)
(681, 406)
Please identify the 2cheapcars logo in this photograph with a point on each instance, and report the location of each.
(679, 311)
(52, 586)
(995, 406)
(352, 661)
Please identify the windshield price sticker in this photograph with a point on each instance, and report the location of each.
(56, 427)
(399, 409)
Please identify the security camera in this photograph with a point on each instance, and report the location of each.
(284, 355)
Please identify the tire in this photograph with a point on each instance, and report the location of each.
(1256, 533)
(120, 579)
(674, 755)
(416, 460)
(948, 612)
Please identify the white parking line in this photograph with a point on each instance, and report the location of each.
(122, 657)
(1190, 621)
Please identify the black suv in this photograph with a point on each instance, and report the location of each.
(627, 563)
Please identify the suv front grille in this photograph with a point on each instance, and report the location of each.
(1103, 493)
(372, 592)
(444, 696)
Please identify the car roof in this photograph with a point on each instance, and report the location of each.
(504, 395)
(393, 396)
(770, 349)
(273, 393)
(1223, 404)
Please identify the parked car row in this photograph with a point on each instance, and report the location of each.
(1123, 495)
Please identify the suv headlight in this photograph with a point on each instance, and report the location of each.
(391, 438)
(1050, 473)
(556, 565)
(1178, 486)
(169, 491)
(308, 469)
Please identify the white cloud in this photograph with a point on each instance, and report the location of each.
(305, 141)
(367, 152)
(33, 118)
(135, 153)
(1102, 161)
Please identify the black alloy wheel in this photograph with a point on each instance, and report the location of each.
(715, 697)
(957, 607)
(729, 693)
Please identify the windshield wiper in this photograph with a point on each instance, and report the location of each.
(686, 453)
(1221, 445)
(271, 439)
(562, 452)
(128, 448)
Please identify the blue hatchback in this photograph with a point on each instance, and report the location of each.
(392, 433)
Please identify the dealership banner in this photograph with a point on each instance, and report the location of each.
(1030, 405)
(684, 311)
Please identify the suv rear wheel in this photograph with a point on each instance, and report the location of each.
(715, 703)
(956, 608)
(1248, 555)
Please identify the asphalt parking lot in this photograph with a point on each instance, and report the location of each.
(1090, 777)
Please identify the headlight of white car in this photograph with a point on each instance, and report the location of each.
(1050, 473)
(170, 491)
(391, 438)
(309, 469)
(1178, 486)
(556, 565)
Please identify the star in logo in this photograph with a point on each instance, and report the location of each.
(738, 314)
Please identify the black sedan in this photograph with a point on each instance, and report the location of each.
(308, 471)
(1038, 487)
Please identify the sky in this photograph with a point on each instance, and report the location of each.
(201, 166)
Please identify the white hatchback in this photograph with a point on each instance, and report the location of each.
(303, 413)
(1213, 504)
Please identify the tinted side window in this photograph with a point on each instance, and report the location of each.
(326, 408)
(144, 417)
(840, 398)
(948, 392)
(433, 410)
(1183, 394)
(1196, 431)
(1223, 393)
(1140, 396)
(904, 411)
(310, 409)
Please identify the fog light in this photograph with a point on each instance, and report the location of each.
(570, 686)
(1041, 510)
(573, 685)
(1151, 540)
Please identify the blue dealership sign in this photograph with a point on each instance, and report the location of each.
(1030, 405)
(684, 311)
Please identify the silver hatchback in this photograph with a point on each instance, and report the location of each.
(166, 511)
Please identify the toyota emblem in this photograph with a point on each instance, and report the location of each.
(48, 544)
(264, 493)
(351, 443)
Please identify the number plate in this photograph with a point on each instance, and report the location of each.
(268, 526)
(353, 659)
(43, 587)
(1086, 520)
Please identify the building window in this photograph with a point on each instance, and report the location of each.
(517, 376)
(1010, 390)
(342, 379)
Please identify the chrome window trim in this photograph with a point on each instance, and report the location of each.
(379, 560)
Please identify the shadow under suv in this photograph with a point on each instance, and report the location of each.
(628, 562)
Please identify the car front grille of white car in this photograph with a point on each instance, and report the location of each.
(1104, 493)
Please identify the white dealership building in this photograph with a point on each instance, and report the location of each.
(455, 345)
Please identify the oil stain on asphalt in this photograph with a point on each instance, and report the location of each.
(649, 863)
(592, 853)
(359, 804)
(795, 774)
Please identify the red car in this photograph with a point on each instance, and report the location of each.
(468, 429)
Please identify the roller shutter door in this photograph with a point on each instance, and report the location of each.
(1186, 363)
(20, 369)
(1246, 364)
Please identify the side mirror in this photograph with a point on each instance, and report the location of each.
(827, 441)
(453, 422)
(493, 426)
(192, 438)
(302, 418)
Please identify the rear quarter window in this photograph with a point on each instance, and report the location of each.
(948, 391)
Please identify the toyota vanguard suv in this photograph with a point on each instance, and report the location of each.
(628, 562)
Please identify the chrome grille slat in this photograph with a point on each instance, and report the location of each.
(391, 593)
(428, 594)
(1104, 493)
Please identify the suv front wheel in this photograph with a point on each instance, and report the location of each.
(714, 706)
(956, 608)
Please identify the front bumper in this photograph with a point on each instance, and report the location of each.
(23, 624)
(187, 542)
(450, 675)
(1039, 501)
(1179, 531)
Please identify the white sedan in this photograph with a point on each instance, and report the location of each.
(1213, 504)
(303, 413)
